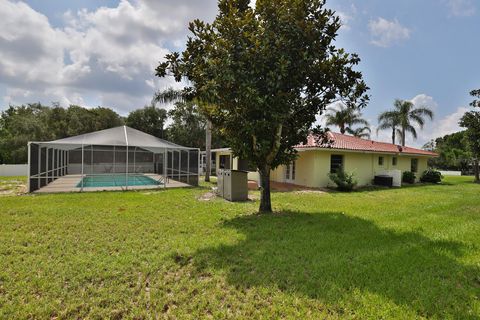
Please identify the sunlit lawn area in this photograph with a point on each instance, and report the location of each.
(400, 253)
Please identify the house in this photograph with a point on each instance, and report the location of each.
(365, 158)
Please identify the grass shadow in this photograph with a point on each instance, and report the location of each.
(327, 256)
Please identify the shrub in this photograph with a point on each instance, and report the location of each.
(345, 181)
(408, 177)
(431, 176)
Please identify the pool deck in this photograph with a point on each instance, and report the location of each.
(69, 184)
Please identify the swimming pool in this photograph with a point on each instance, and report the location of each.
(117, 180)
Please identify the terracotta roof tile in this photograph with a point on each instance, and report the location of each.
(345, 142)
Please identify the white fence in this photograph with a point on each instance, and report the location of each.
(451, 173)
(9, 170)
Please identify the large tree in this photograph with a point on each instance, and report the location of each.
(403, 119)
(35, 122)
(264, 73)
(188, 126)
(471, 121)
(345, 118)
(452, 150)
(149, 119)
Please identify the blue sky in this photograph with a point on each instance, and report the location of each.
(103, 52)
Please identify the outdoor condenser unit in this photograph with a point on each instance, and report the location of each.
(232, 185)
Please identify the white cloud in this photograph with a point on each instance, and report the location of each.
(386, 33)
(445, 125)
(424, 100)
(108, 53)
(440, 126)
(461, 8)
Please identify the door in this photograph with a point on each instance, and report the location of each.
(290, 173)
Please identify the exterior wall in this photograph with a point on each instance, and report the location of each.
(252, 175)
(313, 166)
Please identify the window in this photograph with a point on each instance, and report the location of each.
(414, 165)
(290, 172)
(244, 165)
(380, 161)
(394, 161)
(336, 163)
(224, 161)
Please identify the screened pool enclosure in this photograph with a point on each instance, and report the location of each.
(119, 158)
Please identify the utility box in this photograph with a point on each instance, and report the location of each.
(232, 185)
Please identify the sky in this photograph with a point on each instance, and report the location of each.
(104, 52)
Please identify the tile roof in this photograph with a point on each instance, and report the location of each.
(345, 142)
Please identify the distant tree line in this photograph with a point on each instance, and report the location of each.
(453, 152)
(183, 124)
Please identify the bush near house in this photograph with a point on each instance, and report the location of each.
(431, 176)
(408, 177)
(345, 181)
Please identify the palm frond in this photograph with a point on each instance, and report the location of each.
(169, 95)
(411, 129)
(423, 112)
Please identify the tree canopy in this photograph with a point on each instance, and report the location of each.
(453, 153)
(36, 122)
(149, 119)
(264, 74)
(403, 119)
(188, 126)
(471, 121)
(346, 118)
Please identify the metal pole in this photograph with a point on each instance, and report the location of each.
(91, 160)
(81, 189)
(46, 168)
(29, 168)
(57, 160)
(164, 168)
(188, 167)
(39, 180)
(113, 159)
(198, 166)
(126, 168)
(180, 165)
(126, 172)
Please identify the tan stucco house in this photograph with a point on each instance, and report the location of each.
(365, 158)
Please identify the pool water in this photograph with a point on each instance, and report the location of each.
(118, 180)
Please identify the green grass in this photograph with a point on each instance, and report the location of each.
(392, 253)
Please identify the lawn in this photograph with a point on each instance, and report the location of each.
(400, 253)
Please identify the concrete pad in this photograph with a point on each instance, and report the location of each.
(69, 184)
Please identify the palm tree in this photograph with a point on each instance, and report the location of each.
(389, 120)
(172, 95)
(345, 118)
(403, 118)
(362, 132)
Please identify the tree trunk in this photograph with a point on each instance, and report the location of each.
(265, 201)
(476, 169)
(393, 135)
(403, 137)
(208, 152)
(342, 129)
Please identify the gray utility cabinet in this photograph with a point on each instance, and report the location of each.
(232, 185)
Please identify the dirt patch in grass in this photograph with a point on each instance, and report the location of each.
(310, 192)
(207, 196)
(12, 187)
